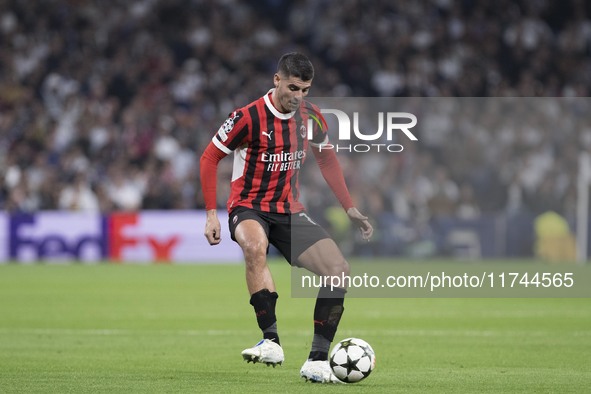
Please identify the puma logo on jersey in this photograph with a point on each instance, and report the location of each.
(267, 133)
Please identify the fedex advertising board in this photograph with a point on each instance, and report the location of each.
(152, 236)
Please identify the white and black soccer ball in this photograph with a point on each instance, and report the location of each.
(352, 360)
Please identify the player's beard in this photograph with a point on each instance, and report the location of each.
(293, 105)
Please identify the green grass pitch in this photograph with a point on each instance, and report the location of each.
(175, 328)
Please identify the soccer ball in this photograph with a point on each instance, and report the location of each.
(352, 360)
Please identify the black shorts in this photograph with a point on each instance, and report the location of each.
(291, 234)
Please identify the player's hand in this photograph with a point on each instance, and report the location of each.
(362, 222)
(213, 229)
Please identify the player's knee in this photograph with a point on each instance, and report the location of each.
(254, 250)
(344, 268)
(338, 268)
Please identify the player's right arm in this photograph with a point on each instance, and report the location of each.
(230, 135)
(208, 172)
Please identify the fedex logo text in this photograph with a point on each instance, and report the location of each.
(153, 236)
(33, 237)
(158, 248)
(62, 236)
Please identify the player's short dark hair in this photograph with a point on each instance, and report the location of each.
(295, 64)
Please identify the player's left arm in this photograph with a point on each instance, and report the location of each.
(333, 174)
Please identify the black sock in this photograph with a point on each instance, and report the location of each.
(319, 348)
(264, 303)
(327, 315)
(271, 333)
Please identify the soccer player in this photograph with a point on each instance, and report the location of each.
(269, 138)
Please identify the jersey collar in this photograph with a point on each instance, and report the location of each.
(274, 110)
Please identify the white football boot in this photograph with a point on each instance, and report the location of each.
(318, 372)
(266, 351)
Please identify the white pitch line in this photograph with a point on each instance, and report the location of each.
(287, 332)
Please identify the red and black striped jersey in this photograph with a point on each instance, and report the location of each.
(269, 149)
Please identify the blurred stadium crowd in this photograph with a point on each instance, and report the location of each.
(107, 105)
